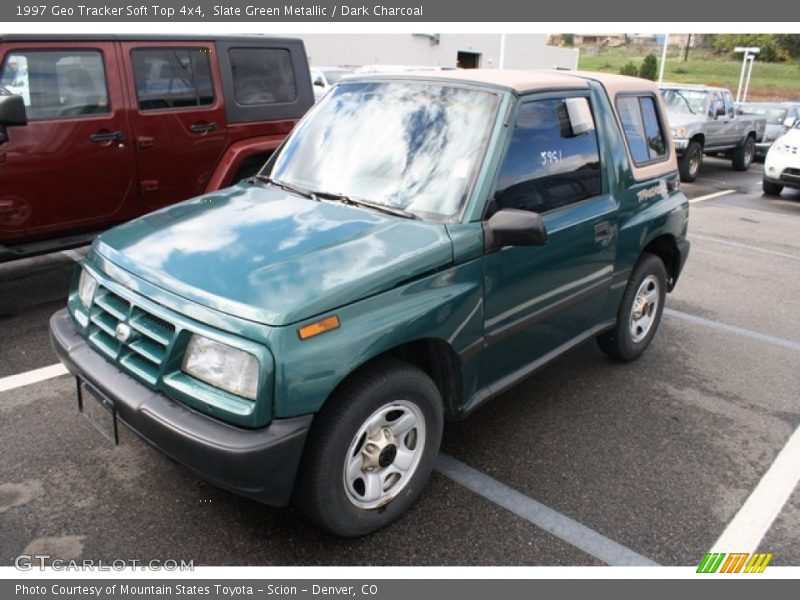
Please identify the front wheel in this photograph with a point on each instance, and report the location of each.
(691, 162)
(771, 189)
(743, 155)
(371, 449)
(639, 312)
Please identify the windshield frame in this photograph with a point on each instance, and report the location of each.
(493, 125)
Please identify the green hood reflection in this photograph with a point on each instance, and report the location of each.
(268, 256)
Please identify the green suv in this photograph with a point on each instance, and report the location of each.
(419, 244)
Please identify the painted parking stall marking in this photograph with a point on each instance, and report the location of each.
(31, 377)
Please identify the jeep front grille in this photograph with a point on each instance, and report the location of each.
(144, 350)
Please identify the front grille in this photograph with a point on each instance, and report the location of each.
(144, 352)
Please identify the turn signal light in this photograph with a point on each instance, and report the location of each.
(326, 324)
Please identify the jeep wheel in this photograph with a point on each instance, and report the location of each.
(639, 312)
(743, 155)
(690, 163)
(771, 189)
(371, 449)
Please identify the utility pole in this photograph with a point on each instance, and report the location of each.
(686, 50)
(751, 59)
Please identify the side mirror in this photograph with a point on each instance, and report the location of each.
(318, 82)
(513, 227)
(12, 113)
(789, 122)
(720, 111)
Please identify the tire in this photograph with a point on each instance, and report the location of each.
(771, 189)
(644, 295)
(350, 458)
(691, 162)
(743, 155)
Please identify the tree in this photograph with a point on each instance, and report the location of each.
(649, 68)
(629, 69)
(568, 39)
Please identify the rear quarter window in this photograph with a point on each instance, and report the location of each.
(262, 76)
(642, 127)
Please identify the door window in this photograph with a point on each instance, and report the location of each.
(642, 128)
(262, 75)
(57, 83)
(172, 77)
(553, 158)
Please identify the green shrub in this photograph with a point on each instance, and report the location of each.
(629, 69)
(649, 68)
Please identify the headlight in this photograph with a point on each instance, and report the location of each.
(86, 288)
(679, 132)
(217, 364)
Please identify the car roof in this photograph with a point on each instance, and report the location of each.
(121, 37)
(519, 81)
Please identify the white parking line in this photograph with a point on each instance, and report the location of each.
(73, 254)
(697, 236)
(711, 196)
(544, 517)
(755, 335)
(22, 379)
(755, 517)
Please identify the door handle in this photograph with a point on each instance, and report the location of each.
(203, 127)
(107, 136)
(602, 231)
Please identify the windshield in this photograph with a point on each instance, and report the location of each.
(775, 115)
(691, 102)
(404, 145)
(335, 76)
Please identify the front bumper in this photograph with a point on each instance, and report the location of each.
(258, 463)
(680, 145)
(762, 148)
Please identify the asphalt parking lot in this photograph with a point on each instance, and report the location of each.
(651, 460)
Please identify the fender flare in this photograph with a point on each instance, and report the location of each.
(235, 155)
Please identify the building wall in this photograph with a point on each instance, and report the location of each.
(521, 52)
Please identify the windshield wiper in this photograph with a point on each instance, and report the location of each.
(286, 187)
(398, 212)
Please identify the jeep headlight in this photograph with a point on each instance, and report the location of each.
(679, 132)
(222, 366)
(86, 288)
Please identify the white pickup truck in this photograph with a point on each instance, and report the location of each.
(704, 120)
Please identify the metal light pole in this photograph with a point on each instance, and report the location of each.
(751, 59)
(663, 59)
(747, 51)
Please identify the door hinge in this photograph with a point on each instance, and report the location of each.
(148, 185)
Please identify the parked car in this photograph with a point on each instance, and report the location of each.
(420, 243)
(782, 165)
(780, 116)
(325, 77)
(703, 120)
(118, 126)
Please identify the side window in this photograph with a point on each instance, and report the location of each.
(642, 128)
(553, 159)
(172, 77)
(262, 76)
(57, 84)
(730, 109)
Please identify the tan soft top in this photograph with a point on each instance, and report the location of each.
(527, 81)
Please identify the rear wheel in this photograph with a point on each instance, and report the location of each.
(771, 189)
(743, 155)
(639, 312)
(371, 449)
(691, 162)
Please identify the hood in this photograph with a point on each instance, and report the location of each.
(682, 119)
(272, 257)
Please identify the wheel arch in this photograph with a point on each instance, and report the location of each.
(665, 247)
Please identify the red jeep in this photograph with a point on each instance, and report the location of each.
(120, 126)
